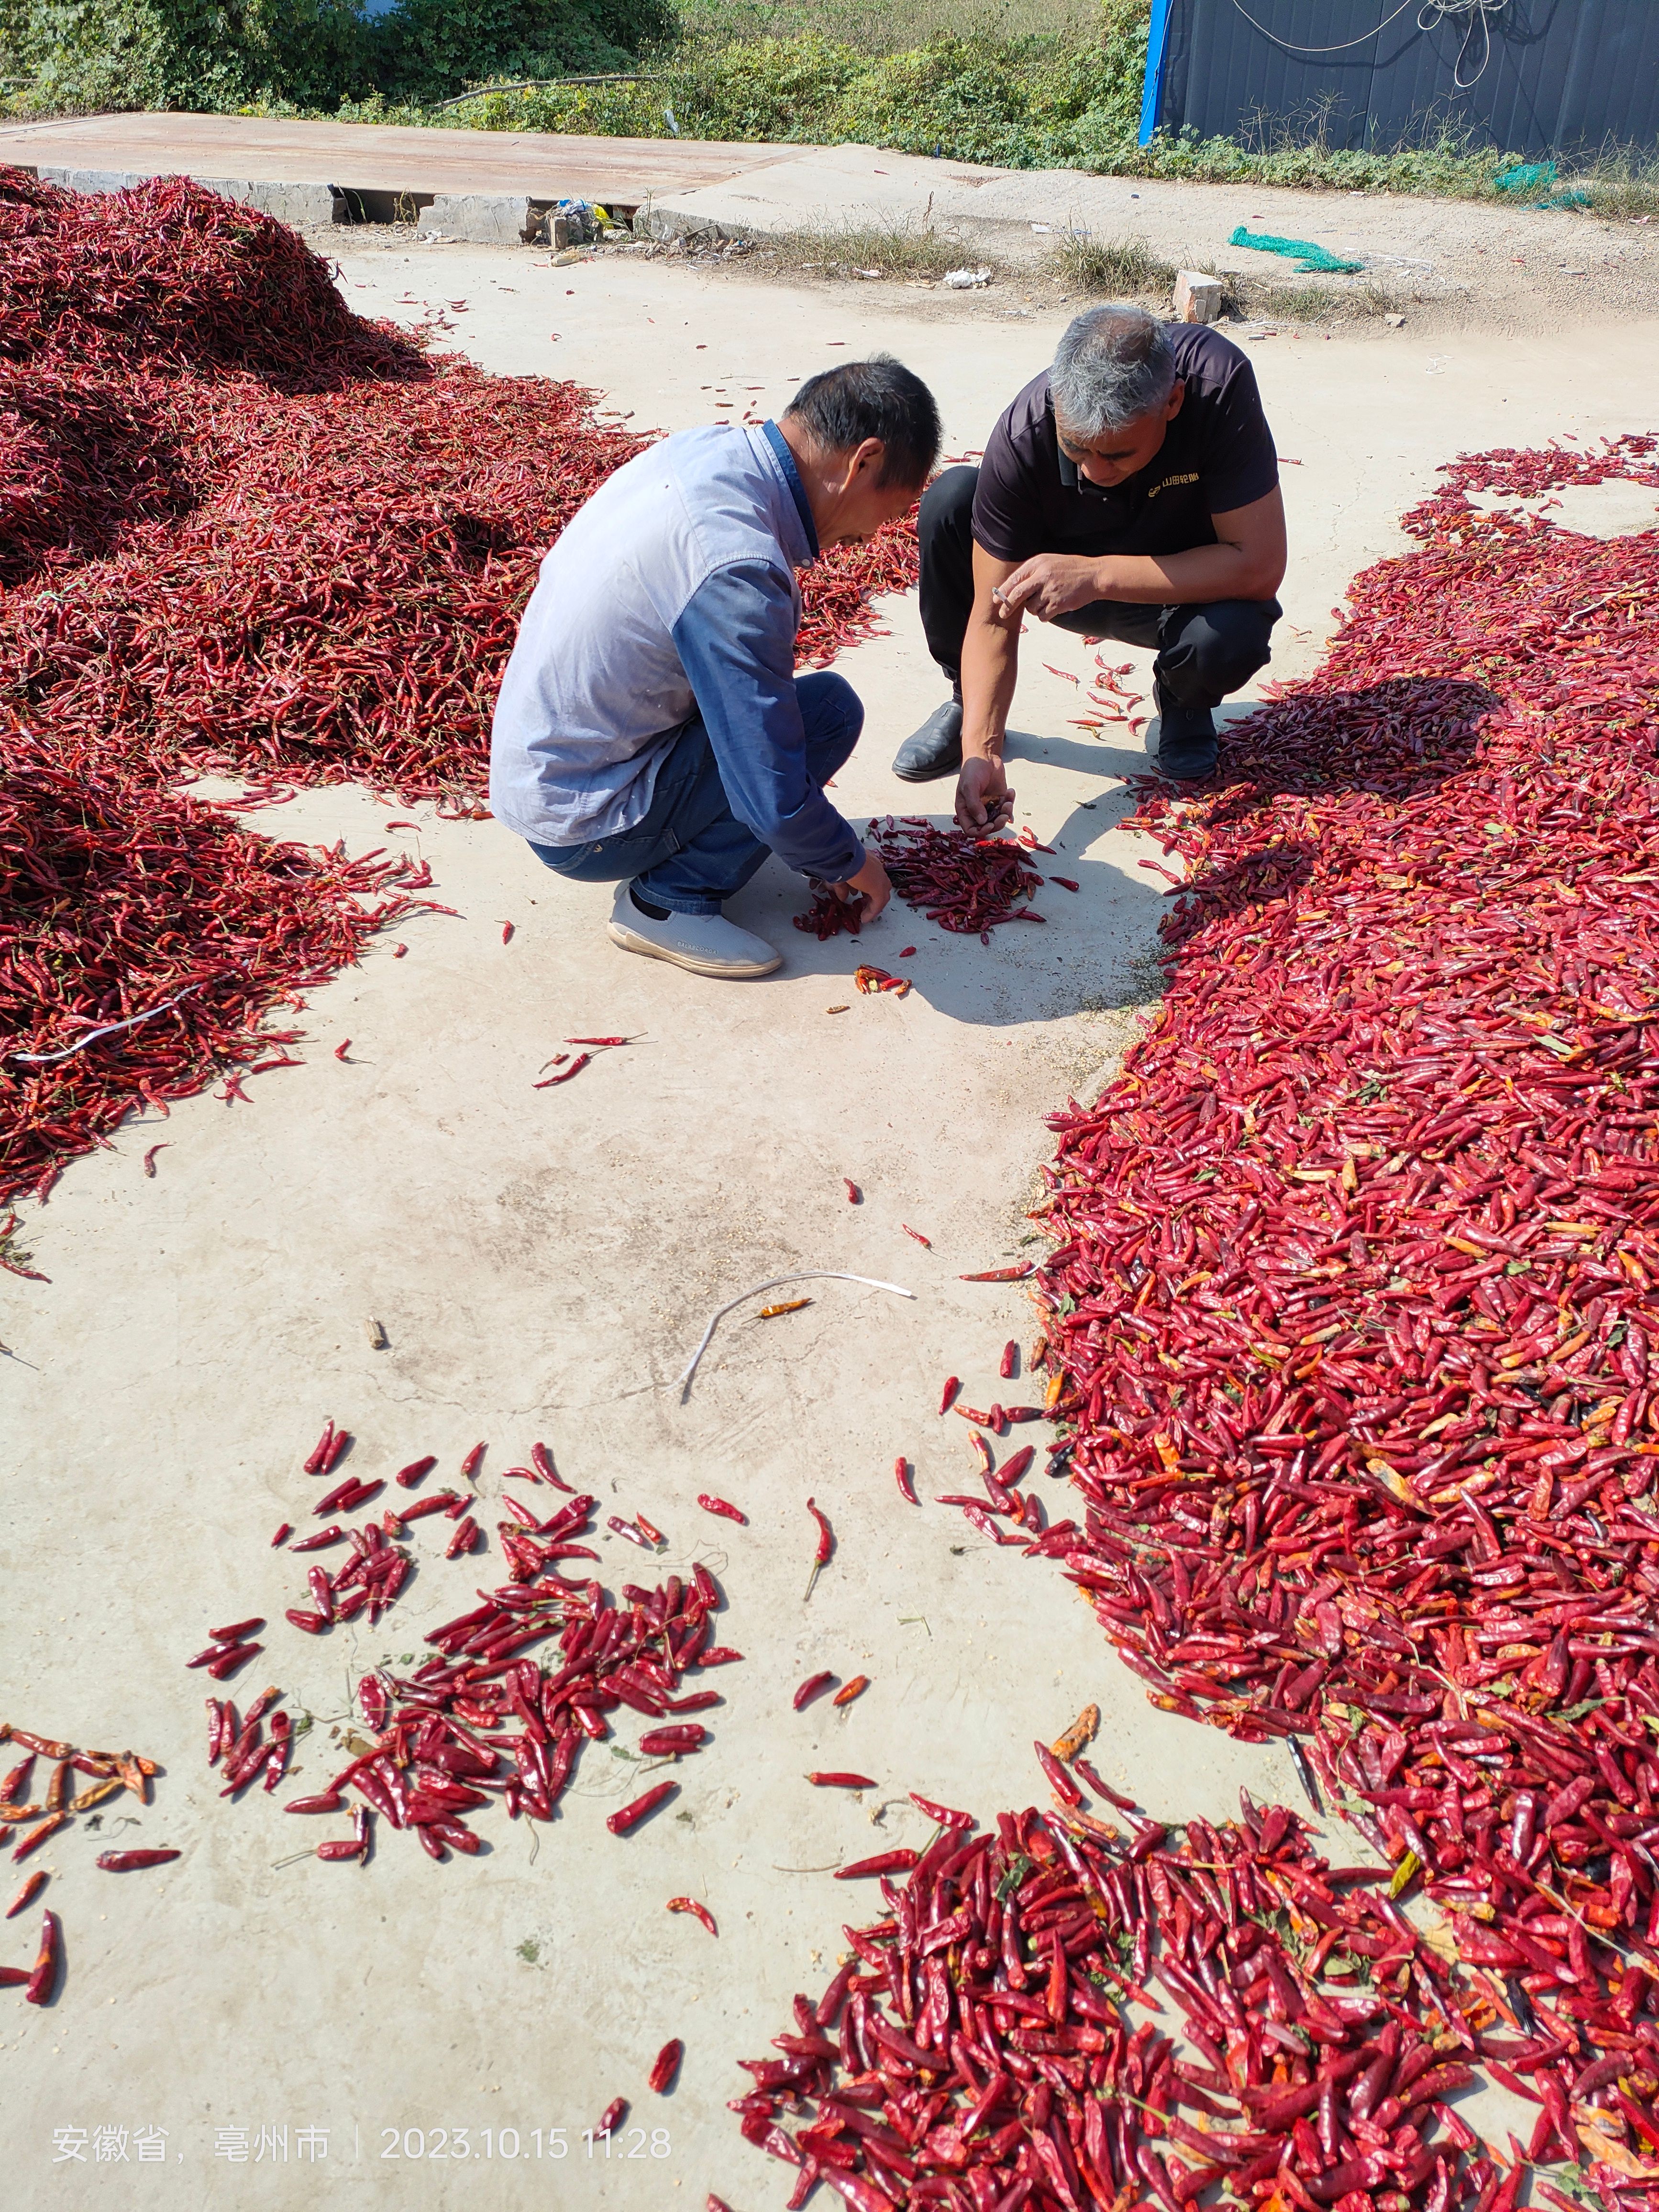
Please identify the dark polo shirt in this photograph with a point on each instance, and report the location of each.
(1218, 454)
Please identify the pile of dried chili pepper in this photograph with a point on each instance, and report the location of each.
(257, 534)
(1352, 1309)
(964, 883)
(143, 937)
(242, 530)
(986, 2043)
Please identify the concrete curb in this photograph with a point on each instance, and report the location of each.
(481, 218)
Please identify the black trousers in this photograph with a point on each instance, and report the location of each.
(1203, 652)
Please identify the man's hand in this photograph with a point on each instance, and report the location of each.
(984, 801)
(1048, 585)
(870, 885)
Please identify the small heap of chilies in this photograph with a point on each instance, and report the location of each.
(486, 1717)
(965, 883)
(1352, 1309)
(987, 2045)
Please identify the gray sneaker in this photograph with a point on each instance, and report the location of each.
(707, 943)
(935, 750)
(1185, 743)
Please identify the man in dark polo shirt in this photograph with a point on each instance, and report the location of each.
(1132, 492)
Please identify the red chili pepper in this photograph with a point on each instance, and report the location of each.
(719, 1506)
(882, 1862)
(343, 1047)
(26, 1896)
(826, 1545)
(670, 1742)
(37, 1835)
(149, 1158)
(575, 1069)
(655, 1534)
(332, 1534)
(599, 1040)
(327, 1801)
(925, 1241)
(131, 1862)
(612, 2117)
(905, 1481)
(233, 1657)
(630, 1815)
(283, 1534)
(947, 1396)
(43, 1978)
(506, 933)
(848, 1691)
(944, 1814)
(237, 1630)
(1000, 1275)
(1065, 882)
(463, 1540)
(621, 1528)
(665, 2066)
(542, 1460)
(699, 1912)
(471, 1463)
(407, 1477)
(854, 1196)
(837, 1781)
(813, 1687)
(1059, 1780)
(319, 1450)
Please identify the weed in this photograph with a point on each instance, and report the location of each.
(1117, 268)
(895, 249)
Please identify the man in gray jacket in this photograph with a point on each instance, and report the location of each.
(650, 731)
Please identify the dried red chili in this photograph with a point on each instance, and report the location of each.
(1350, 1310)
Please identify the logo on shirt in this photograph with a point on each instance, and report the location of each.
(1163, 483)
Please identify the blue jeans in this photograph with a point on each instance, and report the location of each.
(690, 851)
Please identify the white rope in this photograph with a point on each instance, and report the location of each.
(109, 1029)
(1272, 38)
(810, 1275)
(1425, 16)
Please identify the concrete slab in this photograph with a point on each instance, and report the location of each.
(376, 157)
(543, 1263)
(1509, 260)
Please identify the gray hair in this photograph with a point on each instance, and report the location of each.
(1113, 365)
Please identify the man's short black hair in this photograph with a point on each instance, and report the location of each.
(841, 407)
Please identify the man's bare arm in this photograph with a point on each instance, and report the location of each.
(1247, 561)
(990, 669)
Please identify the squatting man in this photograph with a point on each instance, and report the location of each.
(651, 731)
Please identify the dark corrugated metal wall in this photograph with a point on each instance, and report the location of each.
(1563, 76)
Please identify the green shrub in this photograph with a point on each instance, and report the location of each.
(300, 57)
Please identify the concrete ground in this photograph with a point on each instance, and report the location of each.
(543, 1262)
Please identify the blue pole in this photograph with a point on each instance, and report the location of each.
(1157, 39)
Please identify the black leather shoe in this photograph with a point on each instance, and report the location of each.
(1186, 738)
(936, 748)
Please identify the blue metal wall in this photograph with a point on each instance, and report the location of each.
(1536, 77)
